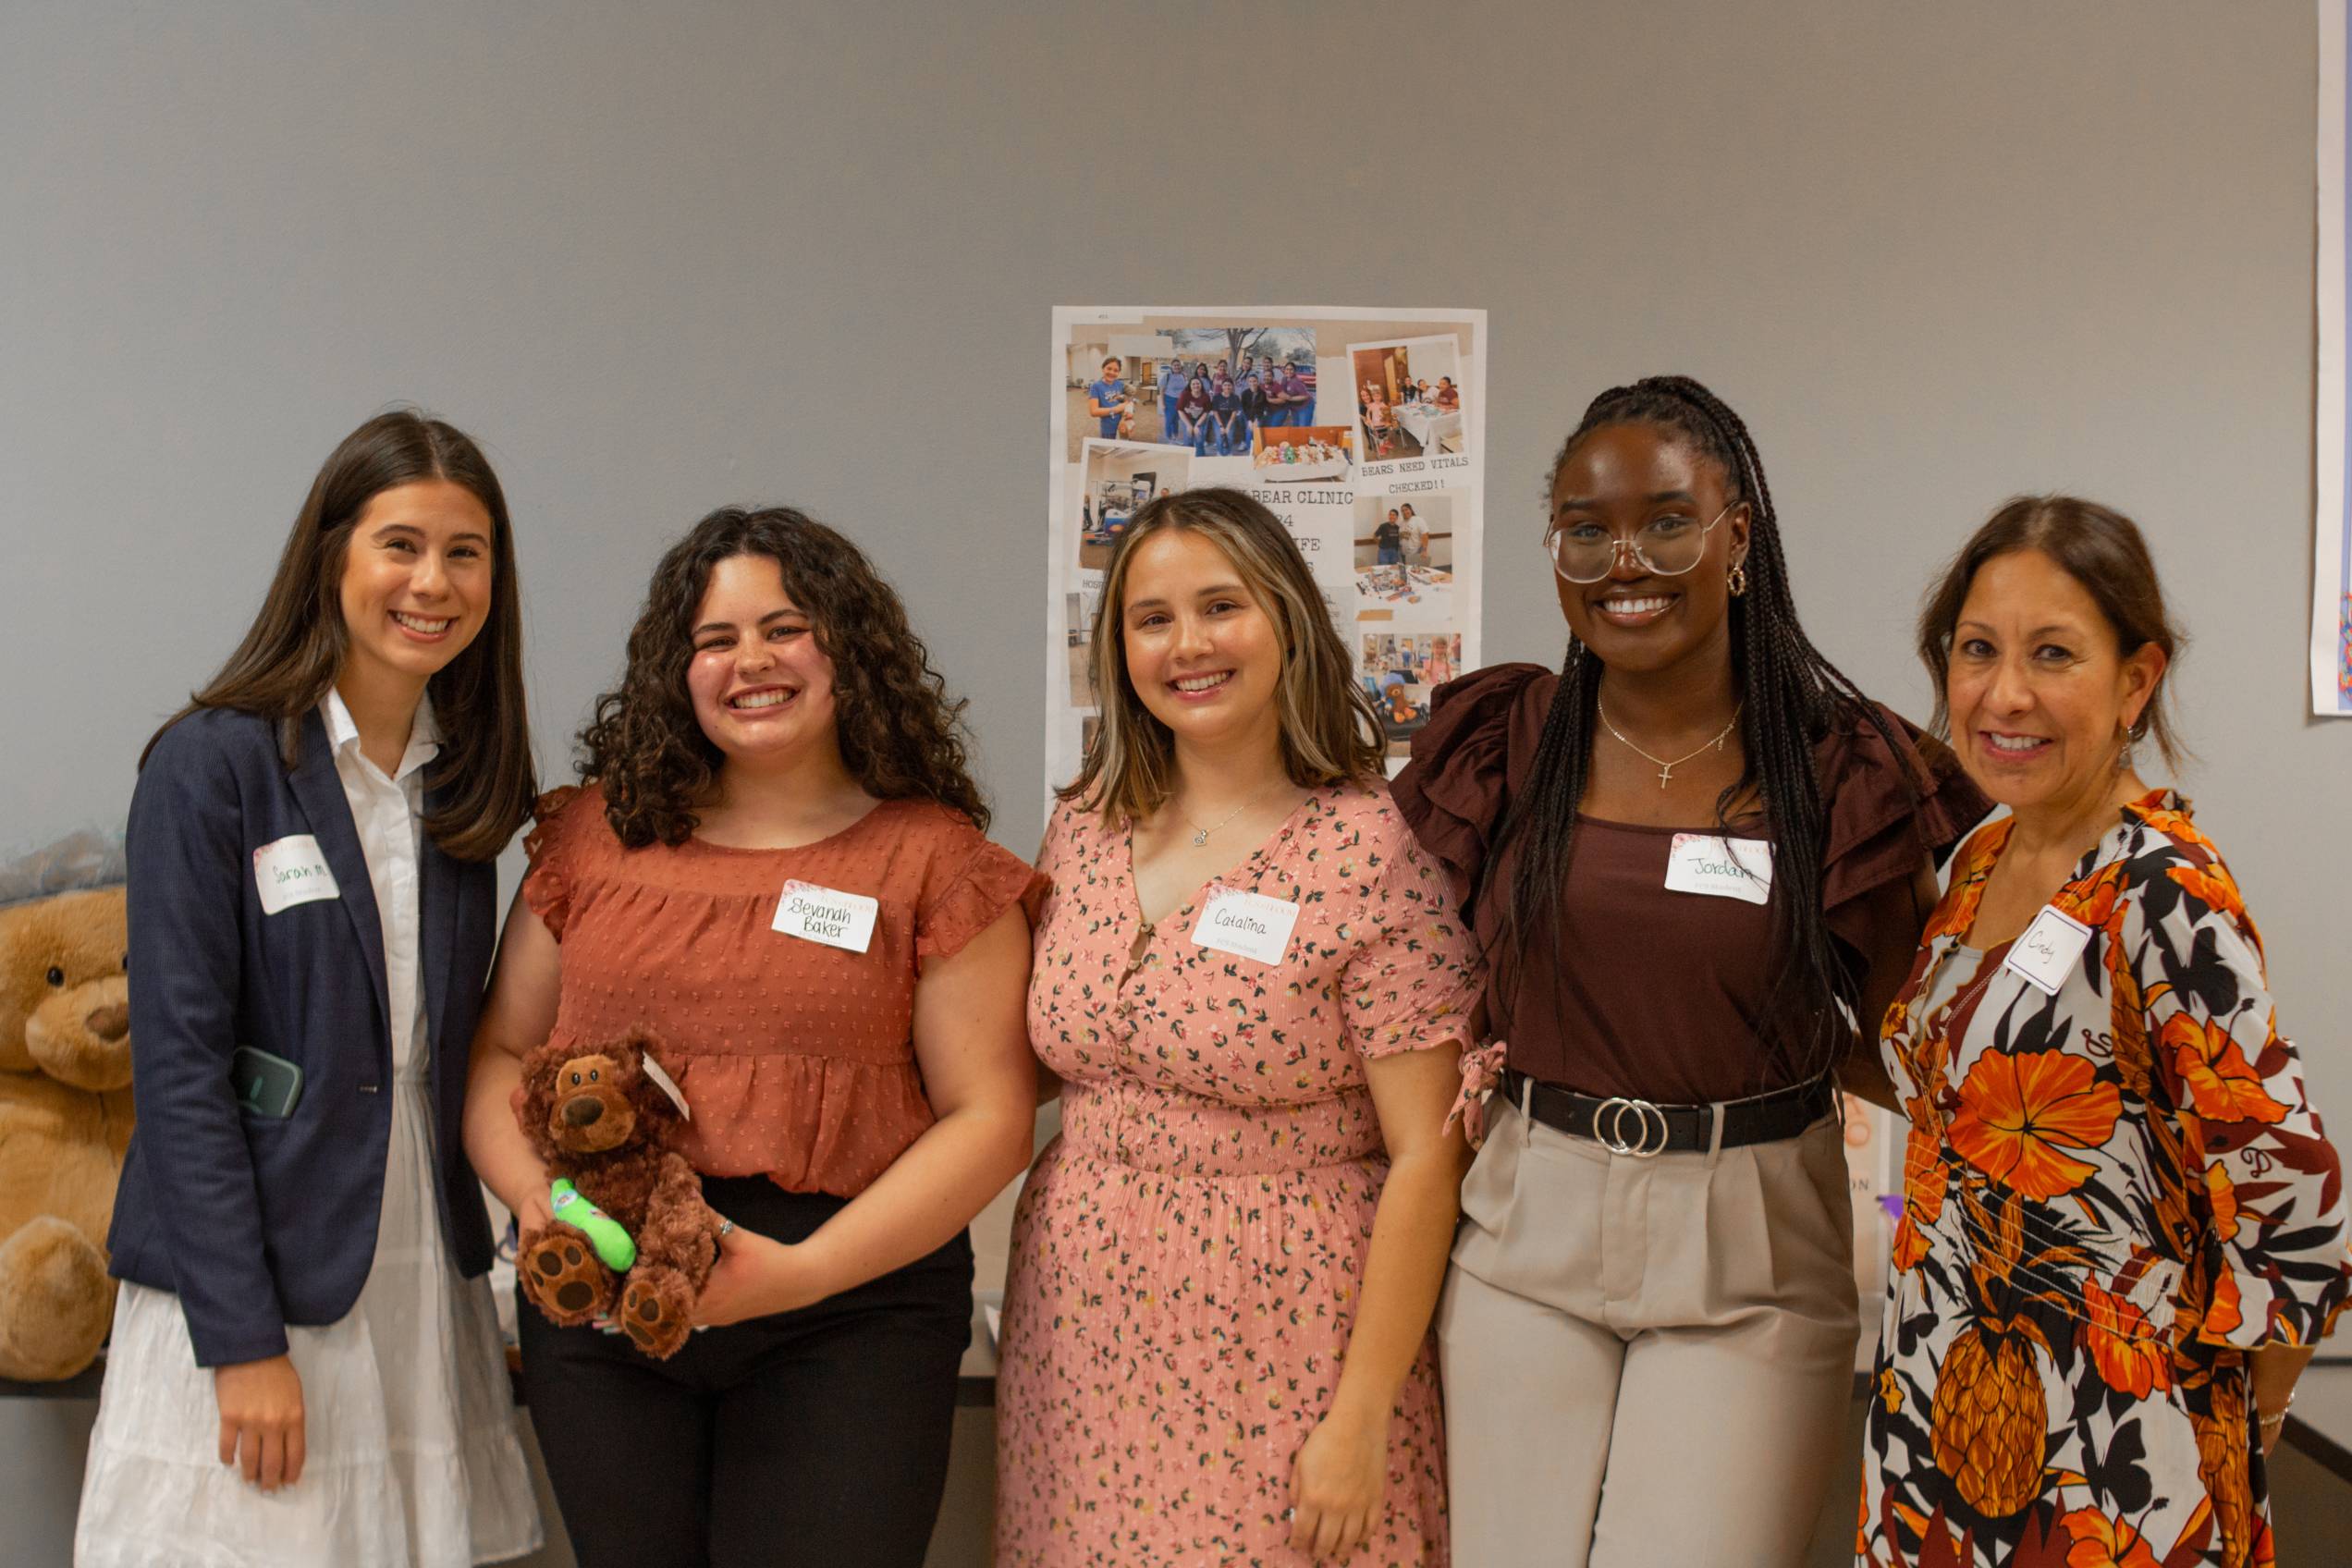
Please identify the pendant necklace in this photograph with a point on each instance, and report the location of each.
(1200, 834)
(1666, 769)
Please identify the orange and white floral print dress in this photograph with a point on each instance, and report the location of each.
(2110, 1195)
(1188, 1255)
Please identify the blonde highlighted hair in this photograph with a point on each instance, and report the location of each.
(1331, 734)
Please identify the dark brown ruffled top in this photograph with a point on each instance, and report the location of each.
(1657, 993)
(797, 1058)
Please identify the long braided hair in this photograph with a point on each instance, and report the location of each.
(1794, 697)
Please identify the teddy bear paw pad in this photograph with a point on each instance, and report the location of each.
(653, 1318)
(566, 1276)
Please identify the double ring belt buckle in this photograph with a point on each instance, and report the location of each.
(1608, 1126)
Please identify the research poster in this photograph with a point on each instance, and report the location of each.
(1364, 430)
(2331, 526)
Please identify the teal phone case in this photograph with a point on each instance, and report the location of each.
(265, 1085)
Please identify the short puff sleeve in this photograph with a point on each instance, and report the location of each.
(968, 884)
(567, 820)
(1417, 979)
(1453, 791)
(1889, 805)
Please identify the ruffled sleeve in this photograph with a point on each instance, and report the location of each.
(1452, 793)
(970, 882)
(1890, 807)
(564, 818)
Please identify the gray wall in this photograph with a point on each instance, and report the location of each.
(663, 257)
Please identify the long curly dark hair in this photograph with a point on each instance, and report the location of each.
(1794, 697)
(901, 736)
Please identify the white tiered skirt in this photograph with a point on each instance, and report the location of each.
(412, 1457)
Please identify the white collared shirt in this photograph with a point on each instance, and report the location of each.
(389, 814)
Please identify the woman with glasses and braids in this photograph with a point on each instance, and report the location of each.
(1694, 857)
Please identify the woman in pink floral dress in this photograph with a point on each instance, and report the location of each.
(1255, 990)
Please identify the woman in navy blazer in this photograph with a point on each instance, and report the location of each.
(313, 915)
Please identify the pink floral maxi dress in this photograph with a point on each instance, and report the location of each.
(1187, 1255)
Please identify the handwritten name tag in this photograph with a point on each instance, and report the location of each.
(827, 915)
(1721, 868)
(1246, 925)
(2047, 950)
(292, 872)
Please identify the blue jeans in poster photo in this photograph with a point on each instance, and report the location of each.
(1389, 556)
(1232, 435)
(1105, 395)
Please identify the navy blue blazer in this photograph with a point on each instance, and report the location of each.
(257, 1222)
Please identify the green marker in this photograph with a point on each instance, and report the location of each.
(613, 1248)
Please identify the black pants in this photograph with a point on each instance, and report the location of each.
(815, 1437)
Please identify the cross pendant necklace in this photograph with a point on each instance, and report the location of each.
(1665, 769)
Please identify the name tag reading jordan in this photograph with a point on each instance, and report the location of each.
(1720, 867)
(2047, 950)
(1246, 925)
(292, 871)
(827, 915)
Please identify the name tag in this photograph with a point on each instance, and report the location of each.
(2047, 950)
(827, 915)
(1246, 925)
(1720, 867)
(292, 872)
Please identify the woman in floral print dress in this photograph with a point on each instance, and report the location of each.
(1217, 1328)
(2123, 1227)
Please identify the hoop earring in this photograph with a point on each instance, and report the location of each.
(1737, 578)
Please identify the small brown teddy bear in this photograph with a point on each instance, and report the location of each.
(65, 1101)
(601, 1123)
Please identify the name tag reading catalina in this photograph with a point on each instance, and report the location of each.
(1720, 867)
(827, 915)
(292, 872)
(1246, 925)
(2047, 950)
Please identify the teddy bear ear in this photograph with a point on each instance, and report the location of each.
(543, 1061)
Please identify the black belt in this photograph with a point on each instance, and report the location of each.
(1625, 1125)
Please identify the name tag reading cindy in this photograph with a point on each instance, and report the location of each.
(2047, 950)
(1246, 925)
(827, 915)
(292, 871)
(1720, 867)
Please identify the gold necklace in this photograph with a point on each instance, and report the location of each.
(1666, 769)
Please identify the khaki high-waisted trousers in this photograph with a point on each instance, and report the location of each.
(1646, 1361)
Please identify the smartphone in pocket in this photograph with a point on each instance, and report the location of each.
(265, 1085)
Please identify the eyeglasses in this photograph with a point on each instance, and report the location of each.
(1668, 547)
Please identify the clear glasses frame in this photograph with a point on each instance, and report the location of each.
(1620, 545)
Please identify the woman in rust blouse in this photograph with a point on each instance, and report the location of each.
(857, 1093)
(1694, 856)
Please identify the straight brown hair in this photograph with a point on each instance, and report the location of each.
(295, 647)
(1330, 732)
(2099, 548)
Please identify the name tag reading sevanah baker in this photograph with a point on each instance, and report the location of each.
(1720, 867)
(1246, 925)
(292, 871)
(827, 915)
(2047, 950)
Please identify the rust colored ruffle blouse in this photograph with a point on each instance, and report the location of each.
(796, 1058)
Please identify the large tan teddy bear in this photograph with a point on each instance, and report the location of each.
(65, 1101)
